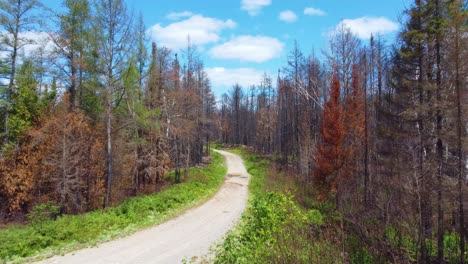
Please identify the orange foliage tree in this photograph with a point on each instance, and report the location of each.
(71, 160)
(354, 122)
(17, 178)
(330, 151)
(58, 160)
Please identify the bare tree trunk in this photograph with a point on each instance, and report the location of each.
(425, 212)
(366, 148)
(187, 162)
(177, 159)
(108, 120)
(461, 173)
(440, 149)
(13, 72)
(88, 179)
(72, 89)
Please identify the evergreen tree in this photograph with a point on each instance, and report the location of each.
(26, 104)
(74, 27)
(15, 18)
(113, 46)
(331, 152)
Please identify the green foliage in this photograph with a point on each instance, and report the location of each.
(131, 82)
(216, 145)
(91, 101)
(42, 213)
(327, 207)
(48, 96)
(25, 101)
(74, 23)
(274, 228)
(315, 217)
(70, 232)
(411, 247)
(358, 253)
(257, 239)
(452, 247)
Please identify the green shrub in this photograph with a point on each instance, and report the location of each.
(315, 217)
(358, 254)
(43, 213)
(452, 248)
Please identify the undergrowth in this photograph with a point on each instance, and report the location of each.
(275, 228)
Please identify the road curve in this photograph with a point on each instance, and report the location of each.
(187, 236)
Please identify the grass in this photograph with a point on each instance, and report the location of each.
(43, 239)
(275, 228)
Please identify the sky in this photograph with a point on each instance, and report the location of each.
(239, 40)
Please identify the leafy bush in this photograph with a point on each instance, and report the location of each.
(452, 247)
(358, 254)
(43, 213)
(315, 217)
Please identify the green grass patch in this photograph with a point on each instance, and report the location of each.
(274, 228)
(69, 232)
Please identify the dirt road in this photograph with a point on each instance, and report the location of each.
(188, 236)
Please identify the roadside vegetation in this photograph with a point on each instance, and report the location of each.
(48, 234)
(277, 226)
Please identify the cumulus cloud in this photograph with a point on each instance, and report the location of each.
(201, 30)
(248, 48)
(288, 16)
(310, 11)
(245, 77)
(364, 27)
(179, 15)
(253, 7)
(34, 42)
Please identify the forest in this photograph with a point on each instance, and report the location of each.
(377, 128)
(101, 118)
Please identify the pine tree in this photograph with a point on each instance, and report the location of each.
(458, 28)
(74, 29)
(15, 17)
(330, 151)
(25, 101)
(114, 43)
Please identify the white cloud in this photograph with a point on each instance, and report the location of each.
(34, 41)
(249, 48)
(39, 40)
(245, 77)
(202, 30)
(288, 16)
(179, 15)
(253, 7)
(310, 11)
(364, 27)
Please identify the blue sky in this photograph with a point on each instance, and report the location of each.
(240, 39)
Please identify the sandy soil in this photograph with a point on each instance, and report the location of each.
(187, 236)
